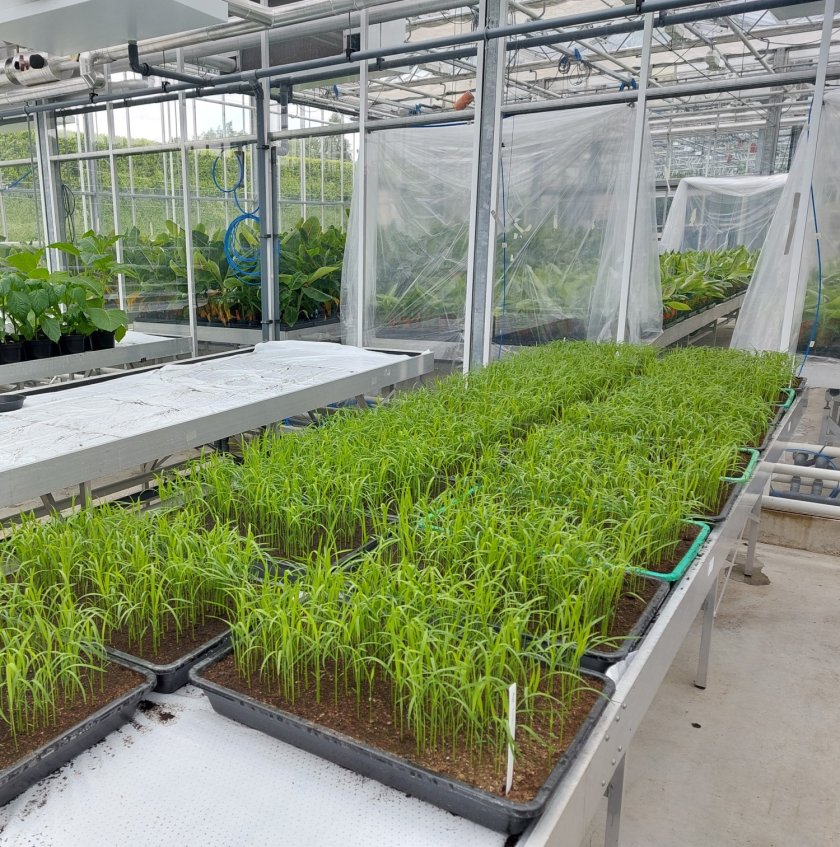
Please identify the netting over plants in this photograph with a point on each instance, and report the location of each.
(816, 306)
(713, 213)
(561, 219)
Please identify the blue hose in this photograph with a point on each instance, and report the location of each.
(245, 264)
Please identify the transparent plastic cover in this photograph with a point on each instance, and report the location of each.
(713, 213)
(761, 320)
(561, 216)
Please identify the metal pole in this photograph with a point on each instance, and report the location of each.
(635, 178)
(480, 258)
(615, 798)
(262, 170)
(362, 187)
(706, 637)
(804, 205)
(115, 202)
(266, 176)
(188, 235)
(52, 219)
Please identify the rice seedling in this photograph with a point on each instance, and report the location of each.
(50, 654)
(147, 575)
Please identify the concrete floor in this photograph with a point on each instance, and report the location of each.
(755, 758)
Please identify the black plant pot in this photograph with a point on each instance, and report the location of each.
(38, 348)
(11, 352)
(72, 343)
(101, 339)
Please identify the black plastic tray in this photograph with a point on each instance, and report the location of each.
(175, 675)
(723, 514)
(11, 402)
(61, 749)
(453, 795)
(600, 660)
(278, 567)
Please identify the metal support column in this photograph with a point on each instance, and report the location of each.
(615, 798)
(481, 252)
(49, 184)
(188, 233)
(706, 637)
(803, 206)
(92, 174)
(635, 179)
(361, 186)
(115, 202)
(262, 153)
(770, 134)
(266, 175)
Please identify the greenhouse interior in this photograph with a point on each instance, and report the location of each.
(380, 340)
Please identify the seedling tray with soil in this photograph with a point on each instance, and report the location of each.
(371, 745)
(170, 664)
(635, 611)
(687, 549)
(78, 726)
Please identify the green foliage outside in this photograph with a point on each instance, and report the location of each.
(155, 175)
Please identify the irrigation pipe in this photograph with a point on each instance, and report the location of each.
(799, 507)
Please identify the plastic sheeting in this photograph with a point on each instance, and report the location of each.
(178, 773)
(761, 320)
(713, 213)
(566, 184)
(561, 219)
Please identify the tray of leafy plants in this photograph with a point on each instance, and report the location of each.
(159, 582)
(59, 693)
(394, 673)
(695, 280)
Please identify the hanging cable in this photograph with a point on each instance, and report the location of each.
(245, 263)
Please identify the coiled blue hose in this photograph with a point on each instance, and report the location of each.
(245, 264)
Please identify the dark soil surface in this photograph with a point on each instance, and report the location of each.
(376, 728)
(118, 680)
(172, 646)
(634, 599)
(671, 560)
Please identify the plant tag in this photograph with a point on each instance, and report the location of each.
(512, 730)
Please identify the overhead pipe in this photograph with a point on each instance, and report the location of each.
(146, 70)
(27, 95)
(556, 23)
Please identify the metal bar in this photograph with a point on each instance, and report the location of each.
(52, 219)
(487, 129)
(706, 637)
(192, 306)
(796, 279)
(615, 797)
(366, 275)
(262, 177)
(123, 353)
(635, 178)
(684, 328)
(115, 202)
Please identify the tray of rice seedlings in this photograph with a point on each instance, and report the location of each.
(397, 673)
(338, 479)
(533, 552)
(59, 693)
(160, 582)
